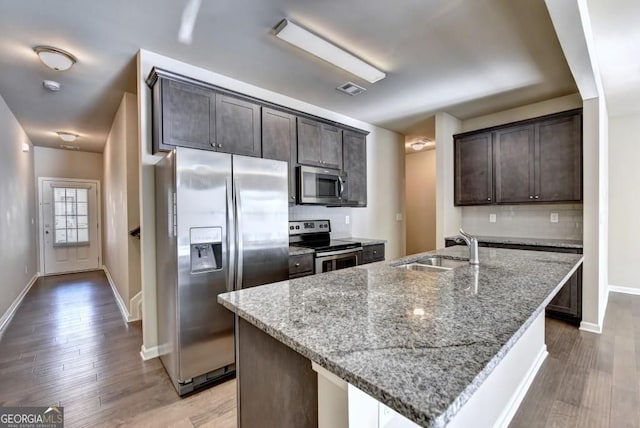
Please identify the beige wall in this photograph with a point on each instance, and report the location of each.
(61, 163)
(18, 251)
(385, 157)
(420, 185)
(120, 196)
(448, 216)
(624, 207)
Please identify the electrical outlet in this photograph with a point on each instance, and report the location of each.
(492, 218)
(347, 219)
(553, 218)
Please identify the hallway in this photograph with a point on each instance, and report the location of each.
(68, 345)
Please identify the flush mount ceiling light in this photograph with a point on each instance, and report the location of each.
(51, 85)
(305, 40)
(68, 137)
(54, 58)
(418, 145)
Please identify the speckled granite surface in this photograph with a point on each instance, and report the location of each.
(419, 342)
(365, 241)
(536, 242)
(295, 251)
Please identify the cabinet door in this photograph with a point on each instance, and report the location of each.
(473, 170)
(559, 159)
(278, 135)
(568, 301)
(354, 153)
(188, 115)
(309, 142)
(238, 126)
(513, 149)
(331, 137)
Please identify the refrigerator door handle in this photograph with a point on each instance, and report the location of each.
(231, 250)
(238, 200)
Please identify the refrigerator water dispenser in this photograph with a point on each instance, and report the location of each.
(206, 249)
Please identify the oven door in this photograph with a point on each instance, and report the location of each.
(321, 186)
(334, 260)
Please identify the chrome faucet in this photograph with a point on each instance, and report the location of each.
(473, 247)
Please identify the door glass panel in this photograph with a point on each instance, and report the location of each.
(71, 216)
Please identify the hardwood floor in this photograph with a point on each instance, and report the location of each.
(588, 380)
(68, 345)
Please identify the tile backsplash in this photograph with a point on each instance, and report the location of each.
(339, 229)
(525, 221)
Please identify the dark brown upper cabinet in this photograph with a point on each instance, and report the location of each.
(279, 141)
(354, 152)
(513, 151)
(237, 126)
(537, 160)
(473, 169)
(319, 144)
(187, 115)
(559, 159)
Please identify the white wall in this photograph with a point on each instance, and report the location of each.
(420, 191)
(385, 165)
(448, 216)
(18, 251)
(624, 208)
(61, 163)
(120, 200)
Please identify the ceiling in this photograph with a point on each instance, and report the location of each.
(468, 57)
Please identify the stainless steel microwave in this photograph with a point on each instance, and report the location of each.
(321, 186)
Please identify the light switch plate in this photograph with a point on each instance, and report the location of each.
(553, 218)
(492, 218)
(347, 219)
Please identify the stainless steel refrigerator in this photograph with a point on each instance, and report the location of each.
(221, 225)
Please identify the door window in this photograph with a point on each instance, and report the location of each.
(71, 216)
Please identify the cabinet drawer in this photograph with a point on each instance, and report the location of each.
(372, 253)
(300, 265)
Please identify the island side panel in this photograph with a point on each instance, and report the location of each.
(276, 386)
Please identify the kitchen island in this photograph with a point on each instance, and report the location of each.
(427, 348)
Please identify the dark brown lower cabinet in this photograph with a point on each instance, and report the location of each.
(567, 304)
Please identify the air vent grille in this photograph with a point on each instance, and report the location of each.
(351, 89)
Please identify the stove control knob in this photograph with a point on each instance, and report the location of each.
(297, 227)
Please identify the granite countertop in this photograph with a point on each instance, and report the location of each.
(296, 251)
(365, 241)
(535, 242)
(420, 342)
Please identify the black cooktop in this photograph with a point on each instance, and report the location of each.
(325, 245)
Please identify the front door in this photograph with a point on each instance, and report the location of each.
(70, 226)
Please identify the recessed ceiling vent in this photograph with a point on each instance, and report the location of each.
(351, 89)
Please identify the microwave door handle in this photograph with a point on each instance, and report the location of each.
(341, 186)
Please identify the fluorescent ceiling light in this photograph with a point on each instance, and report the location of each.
(305, 40)
(54, 58)
(67, 136)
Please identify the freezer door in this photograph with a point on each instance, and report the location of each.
(262, 215)
(204, 221)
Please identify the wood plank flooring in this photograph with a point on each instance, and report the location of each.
(68, 345)
(588, 380)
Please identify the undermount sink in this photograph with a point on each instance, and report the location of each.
(433, 264)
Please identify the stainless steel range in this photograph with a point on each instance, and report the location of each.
(330, 254)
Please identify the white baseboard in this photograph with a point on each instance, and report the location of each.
(148, 354)
(511, 409)
(591, 327)
(624, 290)
(6, 317)
(121, 305)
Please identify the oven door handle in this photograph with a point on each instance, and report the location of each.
(337, 253)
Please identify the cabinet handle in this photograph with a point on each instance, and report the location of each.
(488, 199)
(297, 265)
(537, 196)
(530, 197)
(375, 252)
(219, 145)
(293, 197)
(212, 144)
